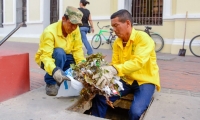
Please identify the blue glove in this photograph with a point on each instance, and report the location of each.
(69, 72)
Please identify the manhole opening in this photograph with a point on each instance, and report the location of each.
(117, 113)
(114, 114)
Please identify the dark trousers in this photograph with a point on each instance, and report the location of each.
(142, 97)
(62, 60)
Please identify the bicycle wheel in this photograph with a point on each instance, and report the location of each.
(112, 39)
(159, 42)
(96, 41)
(195, 46)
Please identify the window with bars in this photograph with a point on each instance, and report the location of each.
(21, 13)
(54, 11)
(1, 13)
(147, 12)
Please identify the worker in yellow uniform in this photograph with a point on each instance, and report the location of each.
(134, 60)
(60, 45)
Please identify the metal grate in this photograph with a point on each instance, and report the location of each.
(54, 11)
(1, 13)
(24, 13)
(21, 12)
(148, 12)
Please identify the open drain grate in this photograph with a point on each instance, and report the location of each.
(118, 113)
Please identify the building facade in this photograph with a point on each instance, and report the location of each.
(38, 14)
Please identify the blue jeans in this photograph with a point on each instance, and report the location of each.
(84, 31)
(62, 60)
(142, 97)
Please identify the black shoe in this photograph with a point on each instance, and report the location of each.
(52, 90)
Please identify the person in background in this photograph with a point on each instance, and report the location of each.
(85, 28)
(60, 45)
(134, 60)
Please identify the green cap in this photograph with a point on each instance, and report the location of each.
(74, 14)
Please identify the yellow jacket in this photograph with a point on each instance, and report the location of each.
(137, 61)
(51, 38)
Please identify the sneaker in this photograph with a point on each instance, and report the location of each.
(52, 90)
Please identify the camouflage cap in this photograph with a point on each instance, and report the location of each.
(74, 14)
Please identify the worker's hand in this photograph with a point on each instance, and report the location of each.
(59, 75)
(104, 78)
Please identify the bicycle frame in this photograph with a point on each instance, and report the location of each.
(147, 30)
(159, 42)
(103, 31)
(98, 38)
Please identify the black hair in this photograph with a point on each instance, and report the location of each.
(84, 2)
(66, 16)
(123, 15)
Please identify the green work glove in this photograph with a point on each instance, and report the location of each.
(59, 75)
(108, 72)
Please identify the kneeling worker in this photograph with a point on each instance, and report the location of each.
(60, 45)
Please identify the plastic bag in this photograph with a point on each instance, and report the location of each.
(69, 88)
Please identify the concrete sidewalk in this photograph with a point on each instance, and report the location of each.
(173, 107)
(36, 105)
(179, 98)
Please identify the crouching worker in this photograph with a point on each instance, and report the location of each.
(134, 60)
(60, 45)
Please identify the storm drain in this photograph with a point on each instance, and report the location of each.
(114, 114)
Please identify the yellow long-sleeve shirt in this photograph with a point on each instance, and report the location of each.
(51, 38)
(136, 61)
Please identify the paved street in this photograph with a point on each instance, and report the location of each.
(179, 97)
(178, 74)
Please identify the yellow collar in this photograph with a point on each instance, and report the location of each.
(59, 28)
(131, 38)
(133, 32)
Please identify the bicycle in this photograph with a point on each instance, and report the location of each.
(97, 38)
(159, 42)
(195, 46)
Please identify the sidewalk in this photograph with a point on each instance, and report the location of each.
(180, 82)
(36, 105)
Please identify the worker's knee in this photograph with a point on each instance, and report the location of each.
(135, 113)
(59, 54)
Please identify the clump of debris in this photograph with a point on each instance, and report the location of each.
(84, 72)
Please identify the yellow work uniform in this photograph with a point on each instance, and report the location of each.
(137, 60)
(51, 38)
